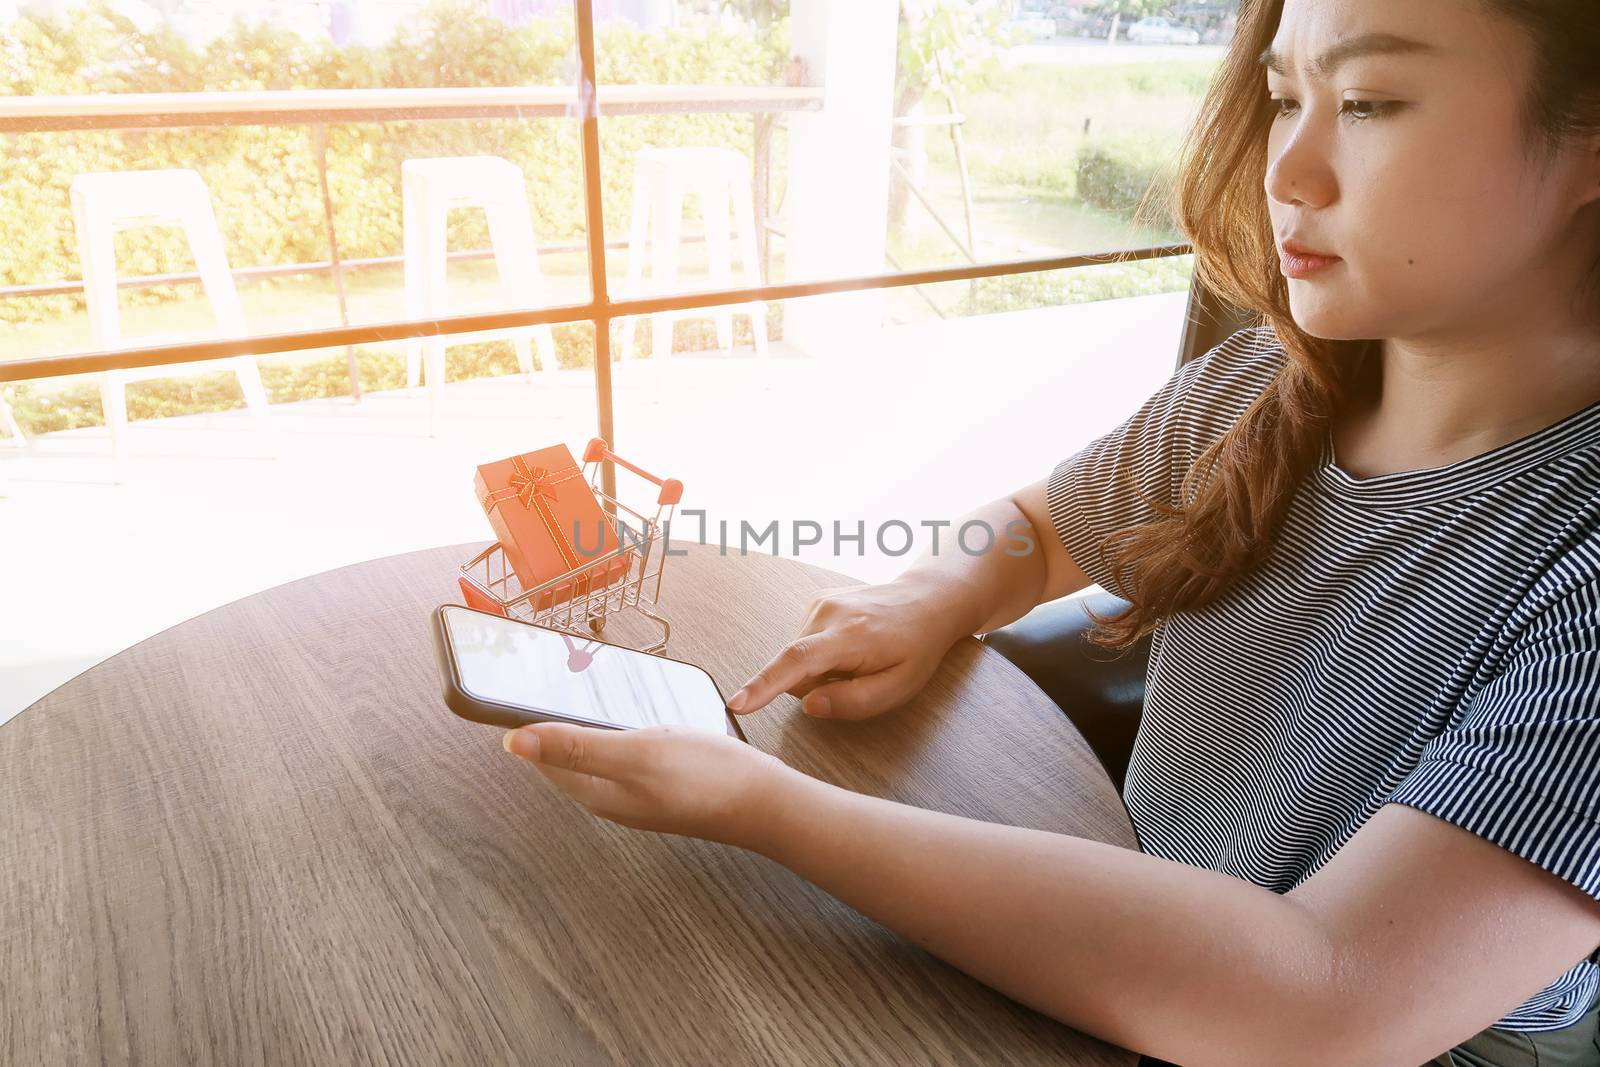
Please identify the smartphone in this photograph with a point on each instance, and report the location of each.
(506, 672)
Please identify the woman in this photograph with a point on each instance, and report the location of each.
(1366, 538)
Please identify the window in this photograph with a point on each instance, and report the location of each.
(853, 149)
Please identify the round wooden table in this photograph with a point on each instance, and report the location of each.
(260, 837)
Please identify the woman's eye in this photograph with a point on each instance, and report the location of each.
(1357, 110)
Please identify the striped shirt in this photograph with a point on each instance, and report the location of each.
(1429, 638)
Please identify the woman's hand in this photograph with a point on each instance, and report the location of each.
(672, 779)
(861, 651)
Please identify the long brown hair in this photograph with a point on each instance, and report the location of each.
(1240, 488)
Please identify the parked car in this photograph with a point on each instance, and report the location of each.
(1068, 20)
(1214, 24)
(1157, 30)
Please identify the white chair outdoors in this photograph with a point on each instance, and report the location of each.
(430, 188)
(720, 179)
(104, 203)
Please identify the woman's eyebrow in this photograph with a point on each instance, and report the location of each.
(1368, 44)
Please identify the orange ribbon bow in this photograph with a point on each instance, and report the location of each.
(534, 489)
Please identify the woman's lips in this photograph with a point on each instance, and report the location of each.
(1296, 262)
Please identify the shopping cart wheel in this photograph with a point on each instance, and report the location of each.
(597, 626)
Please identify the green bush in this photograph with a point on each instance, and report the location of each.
(1114, 173)
(1081, 285)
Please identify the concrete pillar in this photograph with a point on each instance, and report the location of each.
(839, 167)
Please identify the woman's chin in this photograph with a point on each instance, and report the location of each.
(1330, 320)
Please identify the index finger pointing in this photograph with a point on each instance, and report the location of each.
(806, 657)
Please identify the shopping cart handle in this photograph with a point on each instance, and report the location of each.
(671, 488)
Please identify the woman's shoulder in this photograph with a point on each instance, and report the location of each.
(1248, 358)
(1220, 384)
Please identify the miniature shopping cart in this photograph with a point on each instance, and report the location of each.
(605, 591)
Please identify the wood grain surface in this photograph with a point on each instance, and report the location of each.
(259, 838)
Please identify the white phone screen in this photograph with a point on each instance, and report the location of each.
(542, 670)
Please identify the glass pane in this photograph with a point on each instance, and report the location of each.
(213, 506)
(298, 135)
(902, 426)
(771, 141)
(1037, 135)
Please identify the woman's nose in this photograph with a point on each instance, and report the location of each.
(1298, 171)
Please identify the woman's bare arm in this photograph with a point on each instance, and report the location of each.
(1026, 566)
(1158, 957)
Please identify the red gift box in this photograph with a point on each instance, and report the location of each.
(549, 522)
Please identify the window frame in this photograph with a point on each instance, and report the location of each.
(599, 310)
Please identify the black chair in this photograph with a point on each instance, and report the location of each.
(1101, 691)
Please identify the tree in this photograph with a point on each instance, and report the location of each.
(761, 12)
(950, 45)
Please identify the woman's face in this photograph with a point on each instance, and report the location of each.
(1401, 152)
